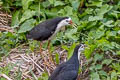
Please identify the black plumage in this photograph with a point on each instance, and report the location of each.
(69, 69)
(45, 29)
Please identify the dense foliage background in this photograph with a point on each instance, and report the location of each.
(98, 26)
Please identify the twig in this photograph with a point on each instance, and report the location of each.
(3, 29)
(24, 58)
(5, 76)
(34, 76)
(35, 63)
(113, 58)
(107, 53)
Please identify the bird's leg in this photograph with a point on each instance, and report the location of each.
(43, 56)
(48, 46)
(51, 59)
(40, 47)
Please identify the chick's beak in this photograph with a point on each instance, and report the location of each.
(70, 22)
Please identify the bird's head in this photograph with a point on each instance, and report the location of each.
(65, 21)
(80, 48)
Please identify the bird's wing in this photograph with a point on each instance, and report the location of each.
(39, 33)
(56, 71)
(67, 75)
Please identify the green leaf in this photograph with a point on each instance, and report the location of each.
(98, 57)
(106, 61)
(95, 18)
(111, 34)
(88, 50)
(96, 3)
(44, 76)
(26, 3)
(26, 15)
(114, 75)
(95, 76)
(70, 34)
(118, 52)
(90, 25)
(103, 73)
(104, 44)
(46, 4)
(58, 3)
(109, 23)
(57, 58)
(104, 9)
(65, 47)
(99, 34)
(70, 51)
(98, 66)
(27, 25)
(51, 1)
(69, 10)
(75, 4)
(15, 19)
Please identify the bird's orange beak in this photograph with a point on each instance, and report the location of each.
(71, 22)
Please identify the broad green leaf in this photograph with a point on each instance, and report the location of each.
(90, 25)
(111, 34)
(98, 57)
(26, 15)
(116, 66)
(58, 3)
(70, 34)
(103, 73)
(89, 50)
(26, 3)
(51, 1)
(95, 18)
(46, 4)
(98, 66)
(109, 23)
(51, 13)
(107, 61)
(61, 12)
(104, 9)
(114, 75)
(118, 52)
(99, 34)
(27, 25)
(75, 4)
(104, 44)
(95, 76)
(118, 32)
(15, 19)
(69, 10)
(96, 3)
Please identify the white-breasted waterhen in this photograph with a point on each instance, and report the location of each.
(46, 30)
(69, 69)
